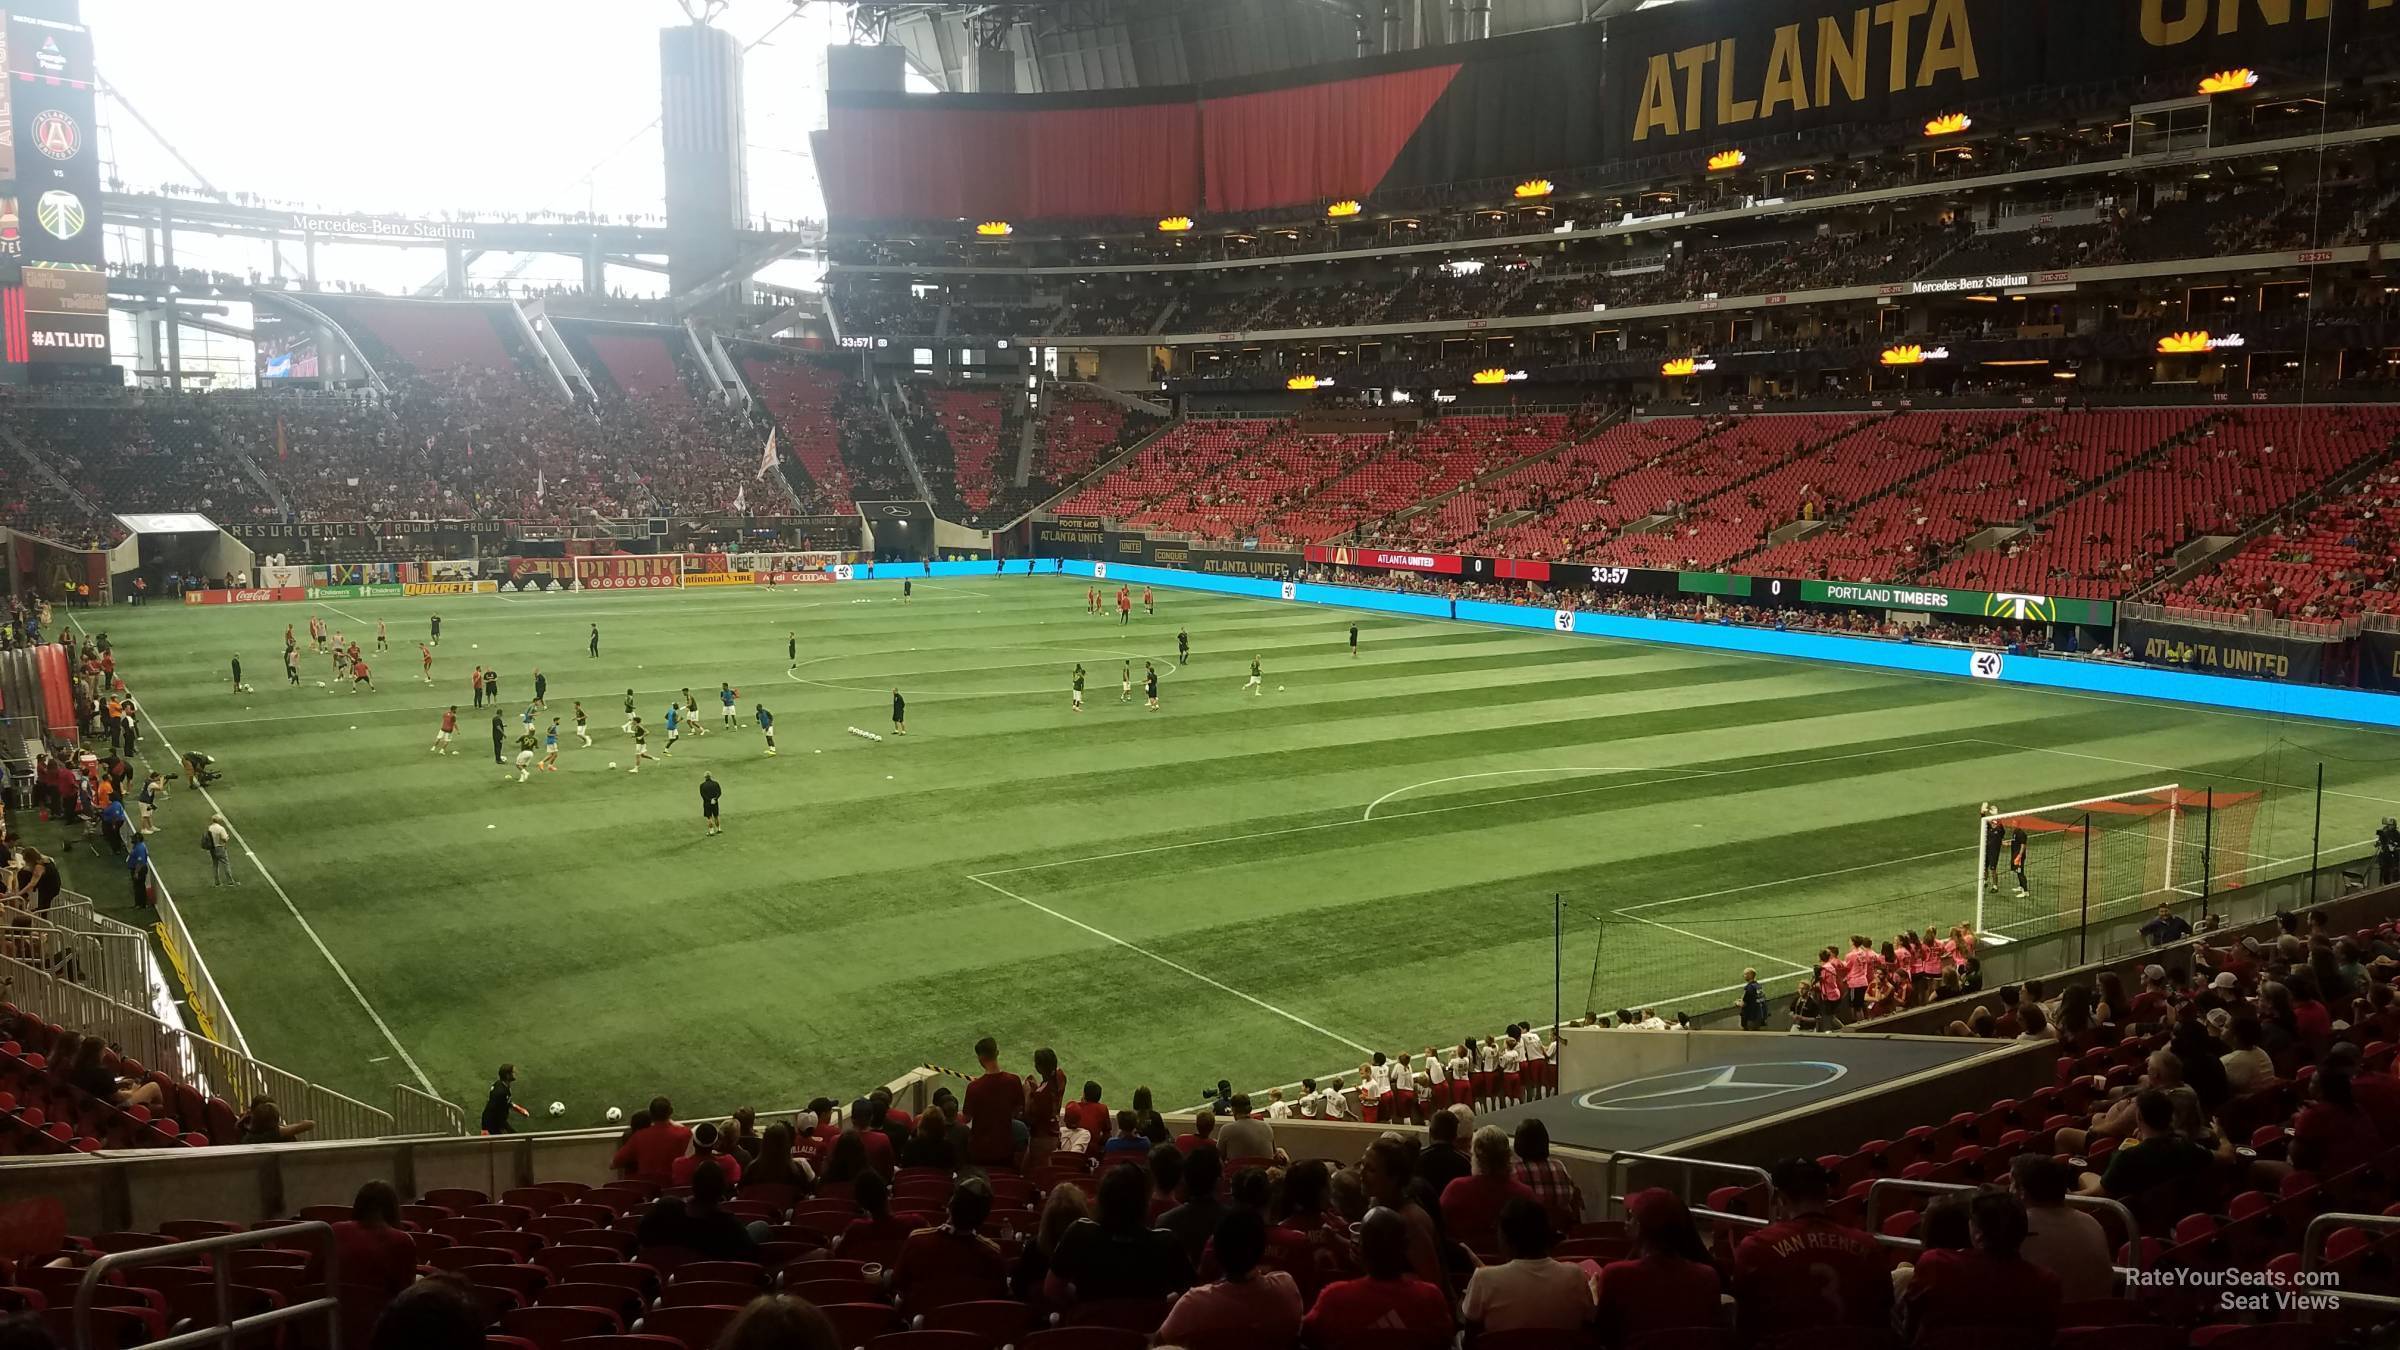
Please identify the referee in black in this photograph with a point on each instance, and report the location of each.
(1354, 642)
(899, 714)
(709, 793)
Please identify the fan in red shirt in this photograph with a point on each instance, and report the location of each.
(1989, 1285)
(649, 1154)
(1045, 1088)
(1090, 1115)
(1669, 1283)
(993, 1104)
(1388, 1303)
(1471, 1204)
(955, 1251)
(1805, 1270)
(377, 1259)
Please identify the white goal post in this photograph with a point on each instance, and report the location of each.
(2077, 861)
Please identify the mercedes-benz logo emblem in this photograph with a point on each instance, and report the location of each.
(1717, 1085)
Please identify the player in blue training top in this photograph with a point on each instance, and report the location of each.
(766, 725)
(674, 726)
(726, 696)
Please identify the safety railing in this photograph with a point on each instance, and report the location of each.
(418, 1112)
(212, 1069)
(2321, 1229)
(1685, 1170)
(113, 964)
(209, 1011)
(2093, 1204)
(228, 1329)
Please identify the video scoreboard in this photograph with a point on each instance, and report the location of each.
(54, 304)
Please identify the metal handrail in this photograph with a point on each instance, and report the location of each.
(1616, 1193)
(1886, 1185)
(2312, 1257)
(227, 1331)
(209, 1067)
(115, 965)
(418, 1112)
(206, 1002)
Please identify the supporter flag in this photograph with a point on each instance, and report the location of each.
(766, 458)
(741, 499)
(283, 450)
(539, 482)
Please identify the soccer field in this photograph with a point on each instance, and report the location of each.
(1253, 887)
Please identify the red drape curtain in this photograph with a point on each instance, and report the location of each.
(1315, 142)
(934, 162)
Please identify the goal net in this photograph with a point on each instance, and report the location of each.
(2041, 869)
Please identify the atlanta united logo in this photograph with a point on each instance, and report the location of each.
(60, 212)
(56, 135)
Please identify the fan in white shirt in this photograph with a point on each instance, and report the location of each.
(1277, 1107)
(1374, 1079)
(1332, 1103)
(1404, 1087)
(1308, 1099)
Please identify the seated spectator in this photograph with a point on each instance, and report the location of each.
(1262, 1307)
(1669, 1283)
(1195, 1220)
(709, 1144)
(697, 1223)
(954, 1250)
(779, 1322)
(1471, 1205)
(775, 1165)
(1943, 1226)
(435, 1314)
(1089, 1116)
(1309, 1237)
(2067, 1242)
(846, 1158)
(1117, 1254)
(2332, 1134)
(1529, 1290)
(2247, 1066)
(1804, 1270)
(95, 1079)
(264, 1123)
(2155, 1160)
(27, 1331)
(1204, 1129)
(875, 1222)
(1992, 1285)
(649, 1153)
(1245, 1136)
(1384, 1182)
(1441, 1162)
(1388, 1299)
(1062, 1209)
(868, 1121)
(376, 1258)
(1128, 1144)
(1546, 1176)
(930, 1146)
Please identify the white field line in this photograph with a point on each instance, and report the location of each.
(297, 916)
(1174, 966)
(2138, 764)
(1679, 775)
(1746, 951)
(1628, 911)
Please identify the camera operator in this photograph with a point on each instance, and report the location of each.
(2387, 849)
(196, 769)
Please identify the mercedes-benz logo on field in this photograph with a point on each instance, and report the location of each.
(893, 510)
(1717, 1085)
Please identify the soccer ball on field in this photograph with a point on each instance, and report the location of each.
(616, 1115)
(612, 764)
(558, 1108)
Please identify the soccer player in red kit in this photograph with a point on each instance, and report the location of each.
(1148, 606)
(425, 657)
(359, 676)
(1124, 604)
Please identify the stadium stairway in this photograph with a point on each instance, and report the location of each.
(2198, 428)
(1987, 432)
(2300, 508)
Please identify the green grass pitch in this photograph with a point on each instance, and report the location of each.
(1255, 887)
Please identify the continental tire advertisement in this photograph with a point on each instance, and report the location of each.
(2211, 651)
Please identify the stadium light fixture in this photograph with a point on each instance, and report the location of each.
(2230, 81)
(1343, 208)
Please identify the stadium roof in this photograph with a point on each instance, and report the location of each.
(1073, 46)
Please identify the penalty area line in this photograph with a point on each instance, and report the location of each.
(1251, 999)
